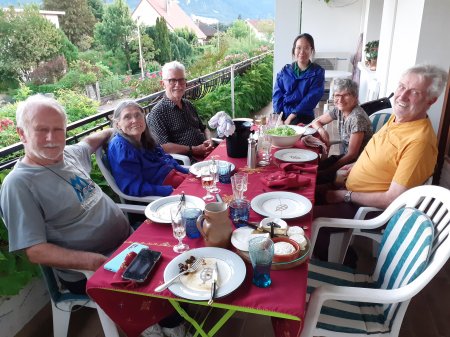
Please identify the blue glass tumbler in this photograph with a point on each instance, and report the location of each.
(261, 254)
(239, 212)
(224, 170)
(189, 216)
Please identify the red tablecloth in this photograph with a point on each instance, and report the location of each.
(135, 309)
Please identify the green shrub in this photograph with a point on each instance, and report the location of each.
(22, 92)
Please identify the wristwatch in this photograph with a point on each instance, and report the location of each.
(348, 196)
(190, 151)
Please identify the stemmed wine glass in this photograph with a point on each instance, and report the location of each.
(179, 229)
(213, 169)
(207, 183)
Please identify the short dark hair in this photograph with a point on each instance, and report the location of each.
(307, 37)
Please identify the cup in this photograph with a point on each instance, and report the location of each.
(224, 169)
(190, 216)
(261, 253)
(263, 150)
(239, 185)
(239, 212)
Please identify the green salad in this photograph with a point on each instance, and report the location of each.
(282, 131)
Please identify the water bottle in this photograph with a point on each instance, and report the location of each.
(251, 153)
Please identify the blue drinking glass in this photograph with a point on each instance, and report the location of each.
(261, 253)
(239, 212)
(189, 216)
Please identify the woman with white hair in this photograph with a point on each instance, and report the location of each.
(139, 165)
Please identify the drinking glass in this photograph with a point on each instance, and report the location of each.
(237, 184)
(214, 170)
(261, 252)
(179, 229)
(242, 177)
(207, 183)
(263, 150)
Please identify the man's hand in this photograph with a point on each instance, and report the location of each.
(203, 149)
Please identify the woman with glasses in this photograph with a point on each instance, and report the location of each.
(355, 129)
(299, 85)
(138, 164)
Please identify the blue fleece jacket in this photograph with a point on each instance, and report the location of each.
(298, 94)
(140, 172)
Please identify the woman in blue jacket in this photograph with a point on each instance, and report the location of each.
(139, 165)
(300, 85)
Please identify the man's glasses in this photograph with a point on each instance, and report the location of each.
(341, 96)
(172, 81)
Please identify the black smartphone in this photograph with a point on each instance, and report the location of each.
(142, 265)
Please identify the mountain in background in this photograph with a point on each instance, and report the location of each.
(226, 11)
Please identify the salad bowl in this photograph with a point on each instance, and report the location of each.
(285, 136)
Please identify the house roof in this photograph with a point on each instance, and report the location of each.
(175, 17)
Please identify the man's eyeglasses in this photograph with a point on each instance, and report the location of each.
(172, 81)
(341, 96)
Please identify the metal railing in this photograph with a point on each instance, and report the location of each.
(196, 88)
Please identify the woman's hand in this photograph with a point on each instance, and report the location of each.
(289, 119)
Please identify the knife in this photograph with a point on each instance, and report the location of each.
(214, 284)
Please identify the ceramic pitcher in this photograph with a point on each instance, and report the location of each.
(215, 225)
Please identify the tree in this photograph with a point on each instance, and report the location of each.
(117, 28)
(148, 52)
(238, 30)
(162, 41)
(78, 22)
(25, 40)
(96, 7)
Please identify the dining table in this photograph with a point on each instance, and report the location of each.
(134, 308)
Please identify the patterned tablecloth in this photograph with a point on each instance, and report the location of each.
(135, 309)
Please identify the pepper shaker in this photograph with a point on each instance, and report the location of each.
(251, 153)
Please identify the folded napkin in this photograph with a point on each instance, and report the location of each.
(298, 168)
(312, 141)
(224, 124)
(118, 281)
(284, 181)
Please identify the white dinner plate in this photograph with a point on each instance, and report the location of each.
(196, 168)
(295, 155)
(283, 205)
(242, 235)
(159, 210)
(231, 273)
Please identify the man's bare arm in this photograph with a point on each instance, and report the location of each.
(59, 257)
(97, 139)
(373, 199)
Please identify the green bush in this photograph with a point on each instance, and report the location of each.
(253, 91)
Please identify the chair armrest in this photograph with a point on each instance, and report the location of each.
(364, 210)
(181, 157)
(87, 273)
(138, 209)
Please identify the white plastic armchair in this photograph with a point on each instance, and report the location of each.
(335, 310)
(182, 159)
(103, 165)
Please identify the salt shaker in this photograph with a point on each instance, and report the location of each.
(251, 153)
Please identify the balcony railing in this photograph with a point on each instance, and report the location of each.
(196, 88)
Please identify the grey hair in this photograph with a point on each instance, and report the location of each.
(345, 84)
(436, 75)
(147, 140)
(26, 108)
(174, 65)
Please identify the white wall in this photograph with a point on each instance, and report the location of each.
(419, 35)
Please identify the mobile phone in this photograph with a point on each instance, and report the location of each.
(142, 265)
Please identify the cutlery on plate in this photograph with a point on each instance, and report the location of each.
(182, 202)
(192, 268)
(261, 229)
(219, 198)
(213, 284)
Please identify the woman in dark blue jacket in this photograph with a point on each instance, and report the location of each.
(140, 166)
(300, 85)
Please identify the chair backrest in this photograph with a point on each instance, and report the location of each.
(103, 164)
(404, 251)
(378, 119)
(377, 105)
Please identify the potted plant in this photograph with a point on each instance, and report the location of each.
(371, 50)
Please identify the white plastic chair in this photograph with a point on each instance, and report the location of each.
(64, 301)
(380, 118)
(339, 242)
(398, 276)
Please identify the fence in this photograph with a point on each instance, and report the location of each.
(196, 88)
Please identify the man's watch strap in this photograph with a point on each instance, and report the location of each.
(348, 196)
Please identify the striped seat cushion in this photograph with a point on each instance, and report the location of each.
(403, 255)
(378, 120)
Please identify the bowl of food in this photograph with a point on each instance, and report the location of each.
(285, 136)
(279, 228)
(285, 249)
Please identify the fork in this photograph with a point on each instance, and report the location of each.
(192, 268)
